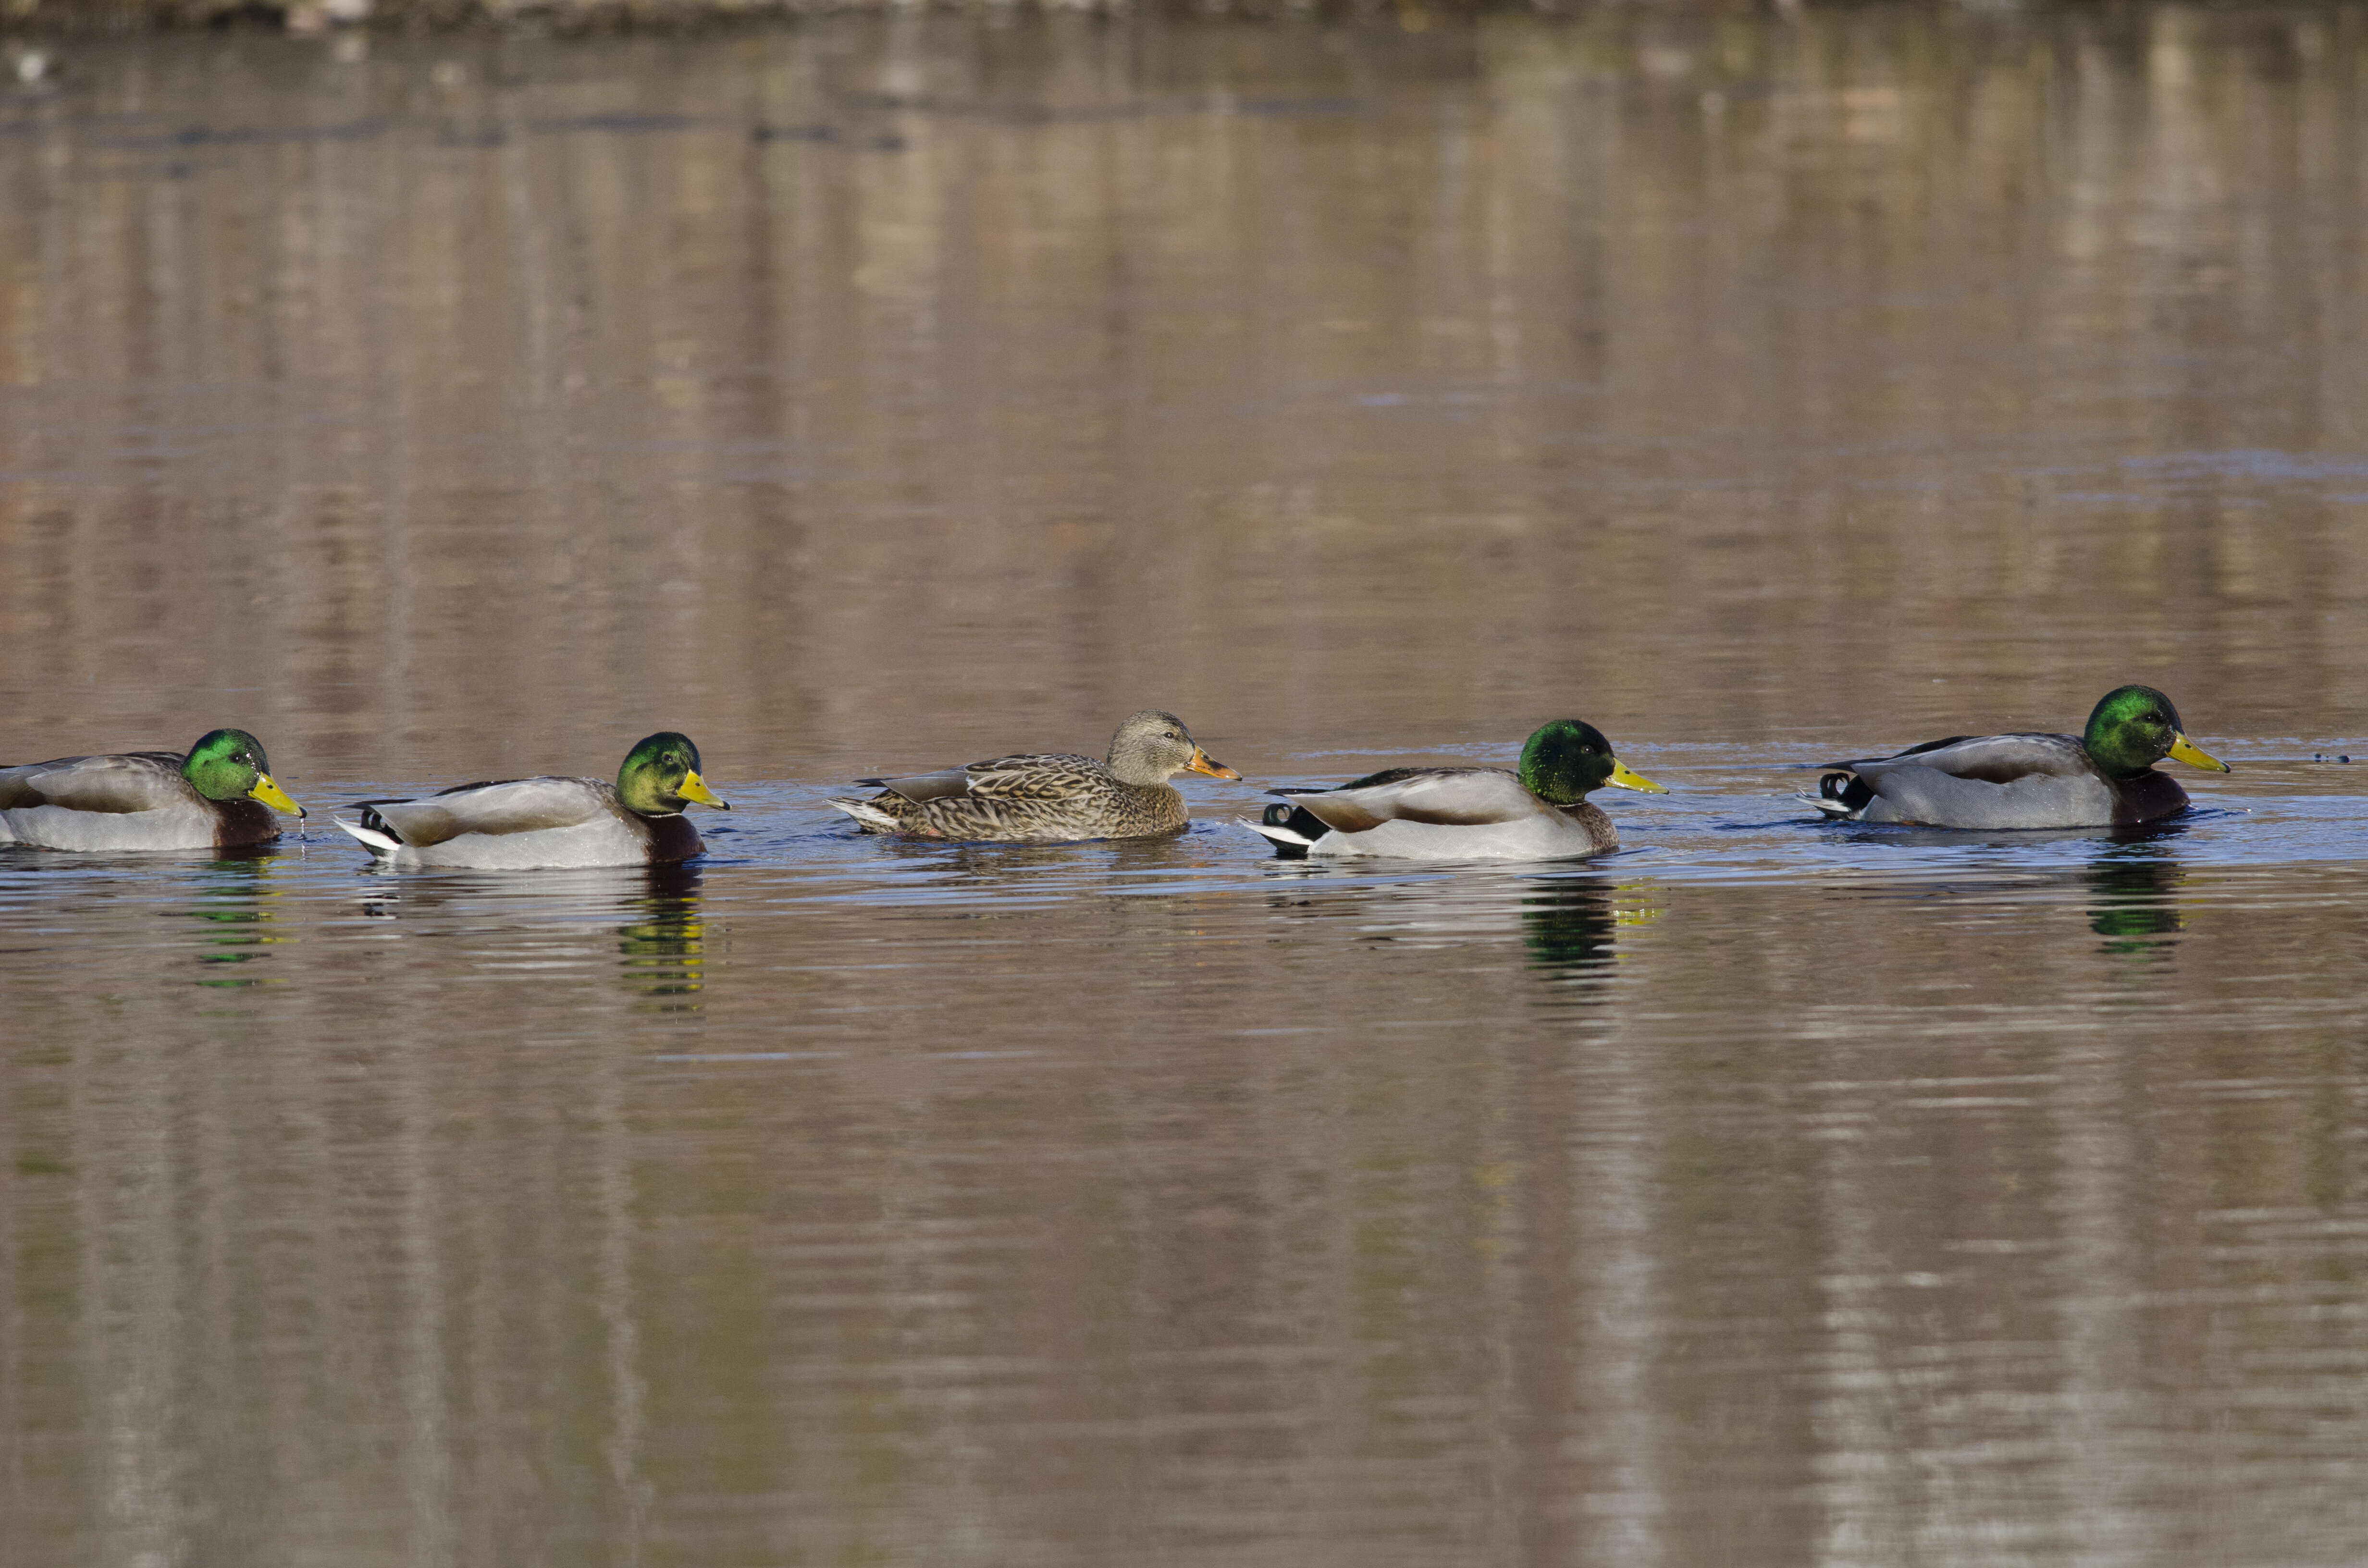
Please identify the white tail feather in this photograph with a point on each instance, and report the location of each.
(870, 816)
(379, 843)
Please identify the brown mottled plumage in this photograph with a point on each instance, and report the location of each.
(1048, 796)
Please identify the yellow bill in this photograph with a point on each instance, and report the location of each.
(1627, 779)
(2187, 751)
(694, 788)
(268, 791)
(1203, 763)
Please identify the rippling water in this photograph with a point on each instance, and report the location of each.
(875, 395)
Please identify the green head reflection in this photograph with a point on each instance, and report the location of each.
(663, 950)
(2132, 904)
(235, 915)
(1569, 926)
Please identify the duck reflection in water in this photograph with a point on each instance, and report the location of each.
(1569, 927)
(664, 949)
(1026, 867)
(231, 894)
(1566, 923)
(2131, 887)
(558, 917)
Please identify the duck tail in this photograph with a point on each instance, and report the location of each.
(1287, 844)
(867, 815)
(1841, 793)
(1292, 830)
(371, 831)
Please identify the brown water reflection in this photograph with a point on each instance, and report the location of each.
(1752, 377)
(1263, 1241)
(872, 395)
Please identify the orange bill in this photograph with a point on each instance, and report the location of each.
(1203, 763)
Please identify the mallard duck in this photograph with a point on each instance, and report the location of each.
(2103, 777)
(221, 795)
(1048, 796)
(1537, 811)
(531, 823)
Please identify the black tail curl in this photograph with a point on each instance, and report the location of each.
(1847, 787)
(377, 824)
(1299, 819)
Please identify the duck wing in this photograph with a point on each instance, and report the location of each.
(128, 781)
(921, 787)
(1444, 796)
(515, 805)
(1023, 776)
(1991, 759)
(1387, 776)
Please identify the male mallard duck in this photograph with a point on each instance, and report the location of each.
(1538, 812)
(2105, 778)
(220, 795)
(528, 823)
(1048, 796)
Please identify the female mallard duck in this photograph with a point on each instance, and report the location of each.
(219, 796)
(534, 824)
(1537, 812)
(2105, 777)
(1048, 796)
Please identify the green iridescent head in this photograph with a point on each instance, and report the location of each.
(229, 765)
(2133, 727)
(661, 777)
(1567, 759)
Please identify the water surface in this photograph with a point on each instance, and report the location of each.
(882, 393)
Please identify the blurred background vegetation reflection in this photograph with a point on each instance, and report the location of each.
(878, 391)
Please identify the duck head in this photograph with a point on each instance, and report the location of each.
(661, 777)
(2133, 727)
(1151, 747)
(229, 765)
(1567, 759)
